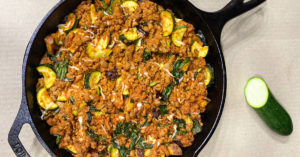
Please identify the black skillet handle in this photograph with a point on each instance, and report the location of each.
(13, 135)
(234, 8)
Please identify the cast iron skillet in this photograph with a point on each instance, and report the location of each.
(210, 24)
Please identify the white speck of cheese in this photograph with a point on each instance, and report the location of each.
(80, 120)
(139, 105)
(170, 116)
(121, 117)
(175, 129)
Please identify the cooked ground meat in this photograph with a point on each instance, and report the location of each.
(123, 87)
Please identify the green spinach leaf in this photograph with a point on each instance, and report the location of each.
(95, 137)
(184, 63)
(58, 138)
(177, 72)
(61, 69)
(179, 122)
(90, 117)
(196, 127)
(163, 109)
(94, 109)
(146, 56)
(126, 128)
(142, 144)
(89, 113)
(167, 92)
(104, 5)
(72, 100)
(181, 126)
(124, 152)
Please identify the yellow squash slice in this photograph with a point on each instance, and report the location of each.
(167, 21)
(44, 100)
(177, 35)
(99, 50)
(93, 13)
(131, 5)
(91, 79)
(49, 75)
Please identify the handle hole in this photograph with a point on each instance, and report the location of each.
(209, 6)
(31, 143)
(249, 24)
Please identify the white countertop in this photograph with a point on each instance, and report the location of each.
(264, 42)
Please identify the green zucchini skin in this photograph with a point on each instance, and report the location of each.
(87, 81)
(275, 116)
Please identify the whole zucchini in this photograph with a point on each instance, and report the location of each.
(259, 97)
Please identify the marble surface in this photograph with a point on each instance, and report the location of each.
(263, 42)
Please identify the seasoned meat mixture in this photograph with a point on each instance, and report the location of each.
(123, 78)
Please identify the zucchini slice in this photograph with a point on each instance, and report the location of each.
(61, 98)
(44, 100)
(188, 120)
(113, 152)
(74, 112)
(203, 51)
(104, 41)
(98, 90)
(93, 13)
(167, 21)
(130, 36)
(118, 81)
(177, 20)
(122, 45)
(147, 153)
(125, 87)
(99, 50)
(97, 53)
(91, 79)
(259, 97)
(177, 35)
(198, 48)
(48, 74)
(153, 83)
(71, 149)
(98, 113)
(71, 23)
(209, 75)
(131, 5)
